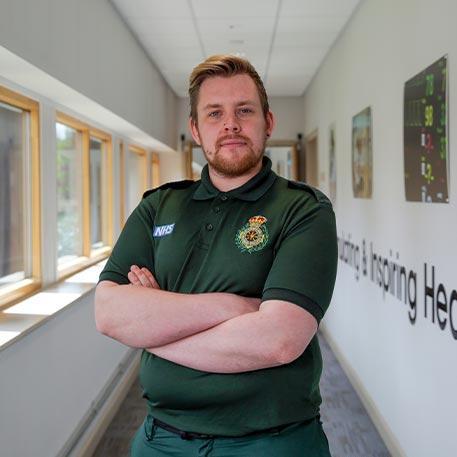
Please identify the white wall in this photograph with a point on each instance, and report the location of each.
(85, 45)
(407, 371)
(50, 378)
(289, 114)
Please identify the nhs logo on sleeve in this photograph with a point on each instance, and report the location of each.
(163, 230)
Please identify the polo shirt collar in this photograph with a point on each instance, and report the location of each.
(252, 190)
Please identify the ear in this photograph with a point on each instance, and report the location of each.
(271, 122)
(194, 131)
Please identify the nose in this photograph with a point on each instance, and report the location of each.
(231, 125)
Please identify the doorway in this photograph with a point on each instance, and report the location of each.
(311, 160)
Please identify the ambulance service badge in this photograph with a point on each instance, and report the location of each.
(253, 236)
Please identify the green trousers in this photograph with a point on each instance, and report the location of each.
(296, 440)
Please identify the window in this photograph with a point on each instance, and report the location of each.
(100, 187)
(19, 196)
(84, 194)
(69, 194)
(137, 176)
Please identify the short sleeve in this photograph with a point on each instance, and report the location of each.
(134, 246)
(304, 268)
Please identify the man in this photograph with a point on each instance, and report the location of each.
(224, 281)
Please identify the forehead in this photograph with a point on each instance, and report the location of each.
(228, 90)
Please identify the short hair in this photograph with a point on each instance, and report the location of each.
(224, 65)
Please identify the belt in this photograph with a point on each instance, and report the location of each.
(193, 435)
(184, 435)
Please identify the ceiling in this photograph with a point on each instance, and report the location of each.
(286, 40)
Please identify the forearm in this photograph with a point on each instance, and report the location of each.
(145, 317)
(249, 342)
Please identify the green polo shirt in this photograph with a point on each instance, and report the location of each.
(270, 238)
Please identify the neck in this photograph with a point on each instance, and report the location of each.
(227, 183)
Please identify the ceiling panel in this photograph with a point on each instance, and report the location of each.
(177, 40)
(153, 9)
(306, 39)
(164, 26)
(233, 27)
(234, 8)
(286, 40)
(342, 8)
(309, 24)
(301, 59)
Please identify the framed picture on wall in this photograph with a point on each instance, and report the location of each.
(362, 154)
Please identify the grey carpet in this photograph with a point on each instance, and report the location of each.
(349, 429)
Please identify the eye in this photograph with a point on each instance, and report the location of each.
(245, 110)
(214, 114)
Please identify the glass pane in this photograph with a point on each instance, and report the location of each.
(96, 217)
(13, 148)
(135, 182)
(69, 208)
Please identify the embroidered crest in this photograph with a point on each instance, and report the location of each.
(253, 236)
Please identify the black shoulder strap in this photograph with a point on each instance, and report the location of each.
(316, 193)
(170, 185)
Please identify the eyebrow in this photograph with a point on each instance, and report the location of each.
(219, 105)
(212, 105)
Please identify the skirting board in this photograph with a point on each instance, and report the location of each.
(379, 422)
(85, 441)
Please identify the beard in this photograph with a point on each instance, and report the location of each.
(237, 163)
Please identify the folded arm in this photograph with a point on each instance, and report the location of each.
(146, 316)
(275, 335)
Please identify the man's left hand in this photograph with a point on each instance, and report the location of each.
(142, 277)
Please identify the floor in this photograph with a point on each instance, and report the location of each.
(349, 429)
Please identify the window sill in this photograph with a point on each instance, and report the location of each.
(82, 263)
(21, 318)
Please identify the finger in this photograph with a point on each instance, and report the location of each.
(141, 276)
(151, 278)
(136, 275)
(133, 278)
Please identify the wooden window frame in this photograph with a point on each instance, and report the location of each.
(19, 290)
(90, 256)
(143, 154)
(122, 183)
(155, 170)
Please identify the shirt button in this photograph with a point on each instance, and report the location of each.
(224, 198)
(209, 227)
(217, 209)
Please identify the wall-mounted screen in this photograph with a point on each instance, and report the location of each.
(425, 135)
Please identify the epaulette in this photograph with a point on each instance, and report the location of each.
(316, 193)
(170, 185)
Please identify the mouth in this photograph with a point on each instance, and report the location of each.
(232, 142)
